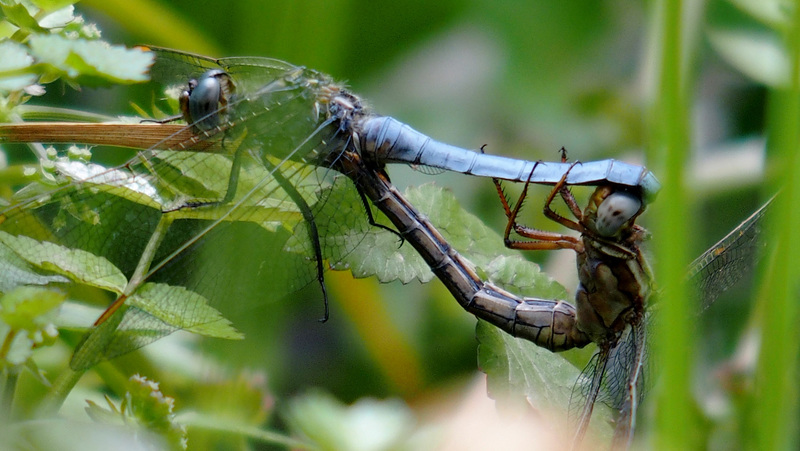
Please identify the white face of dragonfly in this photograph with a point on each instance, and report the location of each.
(616, 210)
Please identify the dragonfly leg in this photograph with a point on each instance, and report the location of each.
(566, 194)
(230, 191)
(542, 239)
(233, 178)
(313, 232)
(374, 223)
(563, 189)
(166, 120)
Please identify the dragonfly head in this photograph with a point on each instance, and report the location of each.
(613, 211)
(204, 103)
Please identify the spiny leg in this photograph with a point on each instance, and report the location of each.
(563, 189)
(566, 194)
(543, 240)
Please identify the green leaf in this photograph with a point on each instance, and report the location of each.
(78, 265)
(20, 16)
(519, 372)
(25, 320)
(183, 309)
(377, 252)
(52, 5)
(91, 62)
(519, 369)
(760, 55)
(774, 13)
(523, 277)
(373, 251)
(15, 60)
(23, 307)
(464, 231)
(366, 425)
(144, 407)
(482, 245)
(16, 271)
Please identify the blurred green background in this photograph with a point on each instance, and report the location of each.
(524, 78)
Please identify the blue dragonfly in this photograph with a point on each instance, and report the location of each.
(260, 153)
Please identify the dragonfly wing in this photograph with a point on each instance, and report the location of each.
(724, 264)
(174, 67)
(611, 389)
(585, 393)
(249, 250)
(635, 359)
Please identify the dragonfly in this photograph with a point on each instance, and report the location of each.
(615, 283)
(280, 133)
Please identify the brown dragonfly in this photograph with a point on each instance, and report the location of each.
(615, 283)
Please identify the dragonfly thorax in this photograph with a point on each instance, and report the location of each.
(345, 107)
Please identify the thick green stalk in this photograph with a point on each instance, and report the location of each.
(773, 403)
(674, 428)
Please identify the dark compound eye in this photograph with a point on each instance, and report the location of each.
(617, 209)
(204, 100)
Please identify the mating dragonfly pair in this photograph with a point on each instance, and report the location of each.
(282, 134)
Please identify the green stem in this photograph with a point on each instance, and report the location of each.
(6, 346)
(772, 407)
(61, 389)
(139, 275)
(46, 113)
(8, 390)
(199, 421)
(670, 145)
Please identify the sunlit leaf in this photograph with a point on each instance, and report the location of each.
(78, 265)
(758, 55)
(22, 307)
(15, 58)
(774, 13)
(144, 407)
(52, 5)
(366, 425)
(17, 271)
(25, 320)
(183, 309)
(464, 231)
(92, 62)
(20, 16)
